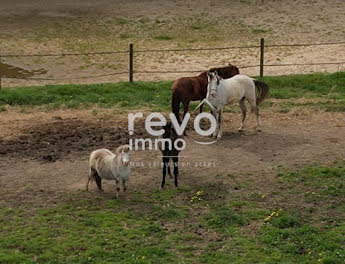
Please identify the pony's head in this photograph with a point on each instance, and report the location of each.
(123, 153)
(213, 82)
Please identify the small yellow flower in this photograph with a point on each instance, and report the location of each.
(267, 218)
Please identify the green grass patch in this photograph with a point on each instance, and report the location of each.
(122, 94)
(157, 95)
(259, 31)
(324, 182)
(68, 234)
(166, 227)
(223, 217)
(163, 37)
(307, 85)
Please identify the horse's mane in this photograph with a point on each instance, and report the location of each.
(225, 72)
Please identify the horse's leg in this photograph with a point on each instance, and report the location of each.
(214, 113)
(255, 109)
(220, 121)
(201, 106)
(217, 124)
(244, 114)
(165, 161)
(175, 160)
(185, 111)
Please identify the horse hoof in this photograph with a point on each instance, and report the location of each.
(240, 130)
(258, 129)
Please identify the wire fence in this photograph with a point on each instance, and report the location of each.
(134, 55)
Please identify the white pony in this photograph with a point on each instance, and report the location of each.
(104, 164)
(236, 89)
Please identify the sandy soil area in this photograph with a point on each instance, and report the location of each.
(30, 27)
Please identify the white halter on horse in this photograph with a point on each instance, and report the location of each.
(236, 89)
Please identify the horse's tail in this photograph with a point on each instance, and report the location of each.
(261, 91)
(175, 103)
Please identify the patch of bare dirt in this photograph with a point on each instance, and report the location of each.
(290, 140)
(60, 137)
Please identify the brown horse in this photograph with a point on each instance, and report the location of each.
(188, 89)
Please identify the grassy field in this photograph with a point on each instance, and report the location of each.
(297, 218)
(325, 91)
(189, 224)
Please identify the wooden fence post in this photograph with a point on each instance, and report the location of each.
(0, 69)
(262, 50)
(131, 62)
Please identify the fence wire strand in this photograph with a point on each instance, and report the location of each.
(67, 78)
(65, 54)
(248, 66)
(170, 50)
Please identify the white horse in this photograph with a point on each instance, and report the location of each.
(236, 89)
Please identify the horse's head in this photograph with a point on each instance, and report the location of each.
(123, 153)
(213, 82)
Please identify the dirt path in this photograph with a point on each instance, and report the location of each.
(27, 176)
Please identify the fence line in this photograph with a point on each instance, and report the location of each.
(171, 50)
(67, 78)
(251, 66)
(305, 44)
(131, 52)
(65, 54)
(167, 72)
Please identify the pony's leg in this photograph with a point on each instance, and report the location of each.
(201, 106)
(164, 172)
(90, 176)
(175, 160)
(244, 114)
(98, 182)
(117, 183)
(220, 122)
(124, 185)
(169, 171)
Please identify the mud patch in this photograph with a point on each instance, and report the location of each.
(10, 71)
(55, 140)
